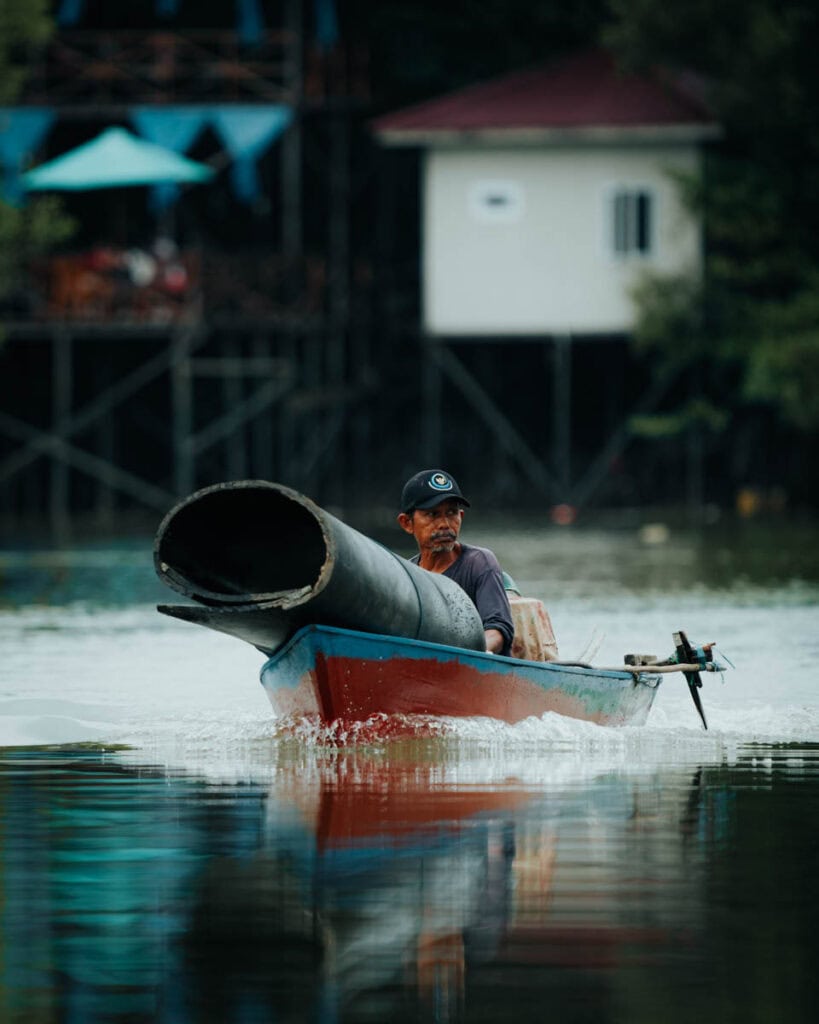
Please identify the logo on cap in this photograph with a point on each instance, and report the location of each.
(440, 482)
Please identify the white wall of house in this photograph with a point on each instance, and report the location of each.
(522, 241)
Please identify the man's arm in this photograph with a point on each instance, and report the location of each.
(495, 640)
(493, 607)
(478, 572)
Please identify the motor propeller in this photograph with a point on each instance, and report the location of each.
(687, 655)
(688, 659)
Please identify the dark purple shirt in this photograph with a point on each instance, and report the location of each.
(476, 570)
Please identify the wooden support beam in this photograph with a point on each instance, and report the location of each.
(232, 398)
(562, 414)
(104, 403)
(597, 472)
(291, 142)
(261, 435)
(432, 372)
(239, 366)
(338, 244)
(265, 396)
(143, 491)
(285, 440)
(509, 438)
(320, 443)
(62, 390)
(106, 449)
(182, 414)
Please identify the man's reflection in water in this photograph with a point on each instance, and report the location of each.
(353, 919)
(369, 940)
(381, 895)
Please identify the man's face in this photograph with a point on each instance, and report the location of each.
(435, 529)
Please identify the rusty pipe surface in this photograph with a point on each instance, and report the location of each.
(261, 560)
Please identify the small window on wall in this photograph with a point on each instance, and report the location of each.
(632, 222)
(496, 202)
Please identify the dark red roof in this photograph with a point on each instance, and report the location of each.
(583, 91)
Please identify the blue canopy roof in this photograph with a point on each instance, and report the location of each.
(115, 159)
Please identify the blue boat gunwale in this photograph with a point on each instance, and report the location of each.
(486, 661)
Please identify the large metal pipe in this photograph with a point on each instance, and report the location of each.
(262, 560)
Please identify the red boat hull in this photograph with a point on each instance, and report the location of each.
(335, 674)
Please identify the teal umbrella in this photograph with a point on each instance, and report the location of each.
(115, 159)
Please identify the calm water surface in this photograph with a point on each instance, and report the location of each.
(166, 855)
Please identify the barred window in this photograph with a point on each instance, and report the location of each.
(632, 211)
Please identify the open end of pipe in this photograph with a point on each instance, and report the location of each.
(241, 542)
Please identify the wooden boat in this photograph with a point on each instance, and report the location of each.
(326, 673)
(351, 630)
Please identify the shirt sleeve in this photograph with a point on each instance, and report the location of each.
(493, 605)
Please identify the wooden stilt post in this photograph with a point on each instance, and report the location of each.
(695, 457)
(562, 415)
(232, 395)
(260, 431)
(282, 458)
(105, 450)
(339, 255)
(62, 372)
(285, 439)
(291, 145)
(182, 387)
(431, 385)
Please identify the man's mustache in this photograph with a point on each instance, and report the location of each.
(444, 535)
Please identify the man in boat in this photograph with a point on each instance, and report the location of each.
(432, 510)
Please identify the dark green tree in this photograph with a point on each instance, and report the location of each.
(28, 231)
(24, 25)
(752, 324)
(423, 48)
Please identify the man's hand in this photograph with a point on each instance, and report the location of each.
(494, 640)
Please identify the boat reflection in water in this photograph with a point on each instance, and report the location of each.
(415, 882)
(398, 889)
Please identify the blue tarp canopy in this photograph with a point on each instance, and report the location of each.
(115, 159)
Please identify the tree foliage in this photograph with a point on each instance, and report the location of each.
(422, 48)
(23, 24)
(28, 232)
(757, 307)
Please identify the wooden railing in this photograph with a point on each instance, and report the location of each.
(83, 68)
(106, 67)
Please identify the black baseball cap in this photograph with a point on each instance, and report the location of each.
(429, 488)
